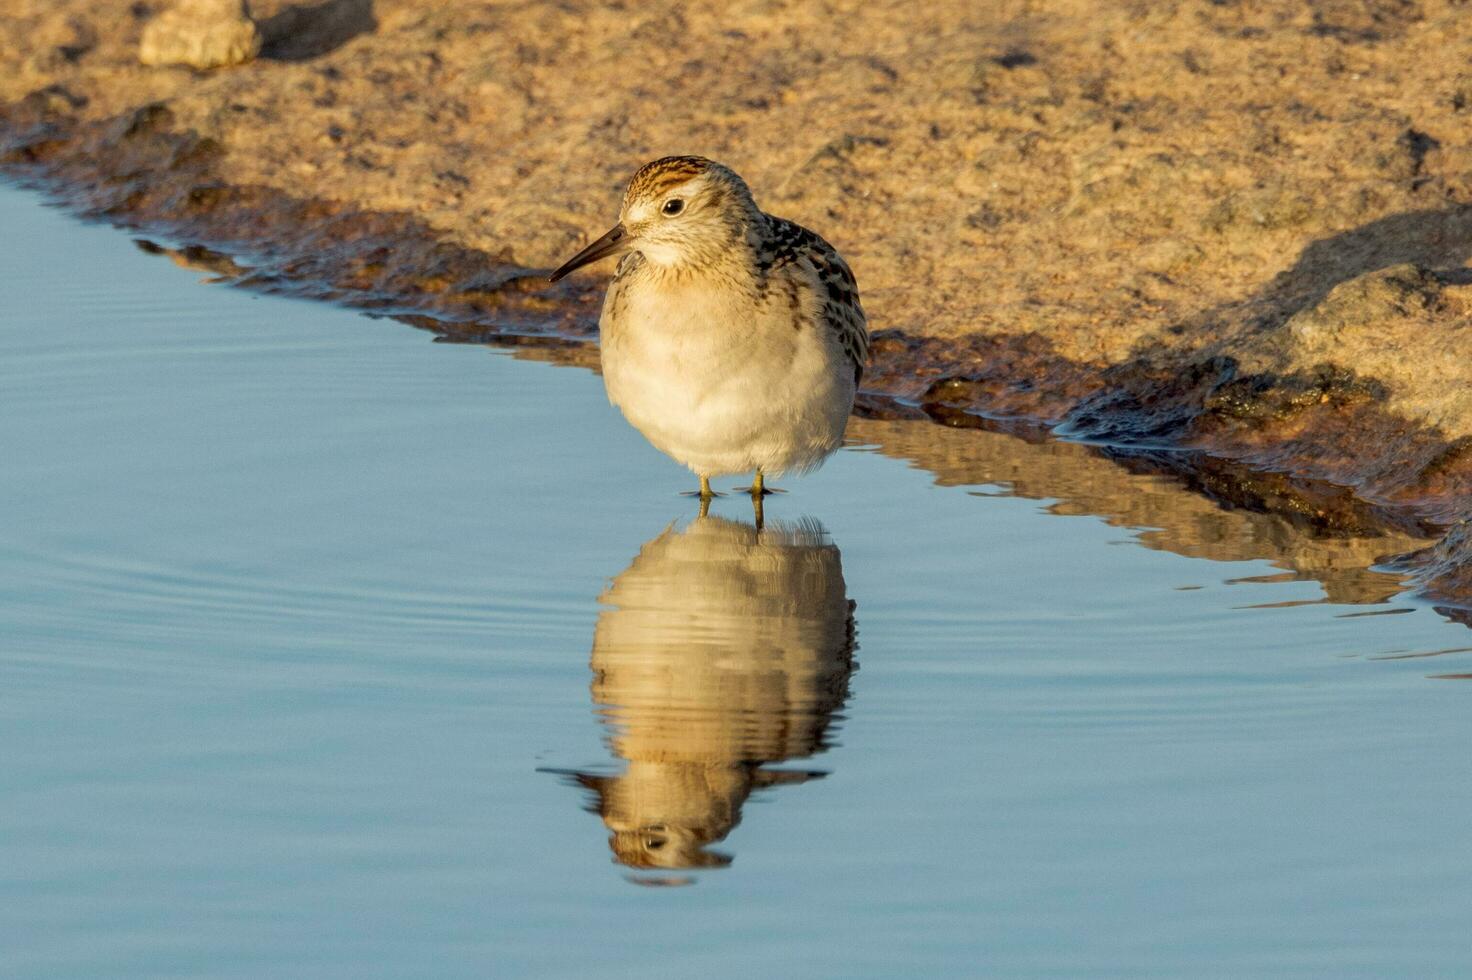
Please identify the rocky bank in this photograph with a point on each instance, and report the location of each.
(1241, 227)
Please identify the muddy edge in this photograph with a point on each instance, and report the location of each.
(1295, 431)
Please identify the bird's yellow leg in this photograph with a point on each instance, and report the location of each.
(759, 486)
(704, 493)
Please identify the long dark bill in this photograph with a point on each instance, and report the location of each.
(611, 242)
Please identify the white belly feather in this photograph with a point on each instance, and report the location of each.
(723, 384)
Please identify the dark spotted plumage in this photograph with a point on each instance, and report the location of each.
(787, 243)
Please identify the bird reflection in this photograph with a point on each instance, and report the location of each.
(722, 648)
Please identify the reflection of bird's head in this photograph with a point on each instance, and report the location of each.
(659, 846)
(665, 814)
(721, 648)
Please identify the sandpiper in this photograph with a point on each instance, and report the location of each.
(732, 339)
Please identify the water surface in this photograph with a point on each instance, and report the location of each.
(329, 651)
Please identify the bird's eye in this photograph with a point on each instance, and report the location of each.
(673, 206)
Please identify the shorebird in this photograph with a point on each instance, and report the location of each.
(733, 340)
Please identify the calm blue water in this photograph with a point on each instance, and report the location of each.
(318, 639)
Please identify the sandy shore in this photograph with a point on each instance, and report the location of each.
(1242, 227)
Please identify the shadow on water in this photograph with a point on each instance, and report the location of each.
(720, 650)
(302, 31)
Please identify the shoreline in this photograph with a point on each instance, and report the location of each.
(386, 265)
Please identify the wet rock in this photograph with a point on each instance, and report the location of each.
(1015, 377)
(1146, 401)
(38, 126)
(200, 34)
(1446, 567)
(1269, 398)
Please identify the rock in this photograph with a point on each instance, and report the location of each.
(1446, 567)
(201, 34)
(1365, 302)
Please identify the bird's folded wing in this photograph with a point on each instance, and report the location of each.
(790, 243)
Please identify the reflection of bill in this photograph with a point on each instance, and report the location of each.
(721, 648)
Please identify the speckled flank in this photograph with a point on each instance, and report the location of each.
(786, 243)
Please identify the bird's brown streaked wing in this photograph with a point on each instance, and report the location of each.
(843, 314)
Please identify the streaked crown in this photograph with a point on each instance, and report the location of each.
(685, 209)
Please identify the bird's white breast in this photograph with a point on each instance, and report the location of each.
(723, 380)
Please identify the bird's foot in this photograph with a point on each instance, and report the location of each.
(705, 493)
(759, 491)
(759, 488)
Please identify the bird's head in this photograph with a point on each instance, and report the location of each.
(677, 211)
